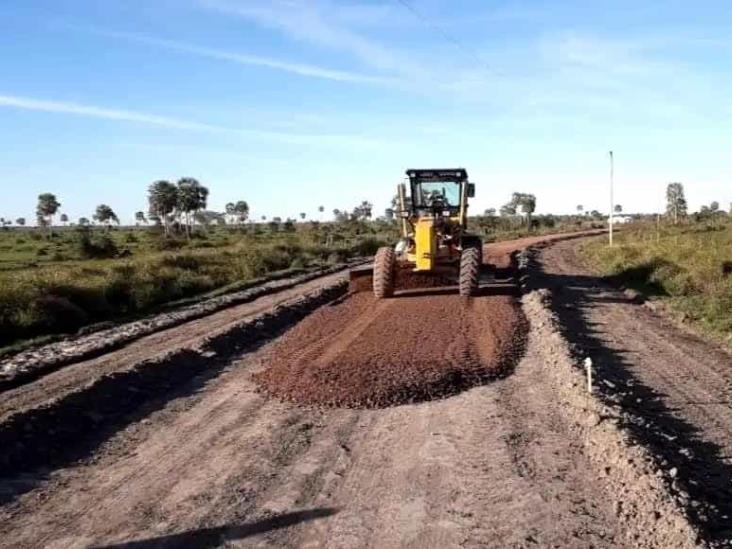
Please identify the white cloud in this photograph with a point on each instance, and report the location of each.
(28, 103)
(92, 111)
(323, 24)
(301, 69)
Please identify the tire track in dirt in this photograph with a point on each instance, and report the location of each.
(677, 386)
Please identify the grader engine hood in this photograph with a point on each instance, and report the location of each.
(425, 240)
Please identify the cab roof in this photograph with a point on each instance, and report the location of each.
(449, 174)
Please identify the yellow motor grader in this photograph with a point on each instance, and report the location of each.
(435, 240)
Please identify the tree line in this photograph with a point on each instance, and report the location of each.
(174, 206)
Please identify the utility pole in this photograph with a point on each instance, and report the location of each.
(612, 196)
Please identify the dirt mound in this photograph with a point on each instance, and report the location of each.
(364, 352)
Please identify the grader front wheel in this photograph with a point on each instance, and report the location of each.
(384, 264)
(469, 271)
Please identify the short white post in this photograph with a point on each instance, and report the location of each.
(588, 369)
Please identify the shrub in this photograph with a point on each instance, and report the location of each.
(94, 246)
(58, 314)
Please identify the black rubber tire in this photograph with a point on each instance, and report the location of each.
(469, 271)
(474, 242)
(384, 263)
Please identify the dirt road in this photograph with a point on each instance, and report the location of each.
(678, 386)
(216, 461)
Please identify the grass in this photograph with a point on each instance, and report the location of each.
(59, 291)
(687, 266)
(58, 283)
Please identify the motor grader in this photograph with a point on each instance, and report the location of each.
(435, 239)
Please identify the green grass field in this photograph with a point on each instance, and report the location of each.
(56, 283)
(51, 285)
(689, 266)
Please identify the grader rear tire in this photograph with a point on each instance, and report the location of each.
(384, 265)
(469, 271)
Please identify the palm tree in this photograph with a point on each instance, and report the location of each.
(105, 215)
(162, 196)
(191, 198)
(241, 209)
(46, 209)
(64, 219)
(231, 211)
(140, 218)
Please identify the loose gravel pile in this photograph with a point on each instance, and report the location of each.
(368, 353)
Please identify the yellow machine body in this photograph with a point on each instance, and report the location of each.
(425, 240)
(434, 237)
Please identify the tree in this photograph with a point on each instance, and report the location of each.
(20, 221)
(230, 210)
(46, 209)
(105, 215)
(389, 214)
(490, 212)
(162, 197)
(363, 210)
(64, 219)
(303, 215)
(191, 197)
(676, 206)
(241, 209)
(527, 203)
(321, 209)
(336, 213)
(618, 208)
(714, 206)
(508, 209)
(580, 209)
(140, 218)
(264, 218)
(83, 221)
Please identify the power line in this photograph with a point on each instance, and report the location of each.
(442, 32)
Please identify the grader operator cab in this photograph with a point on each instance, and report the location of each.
(435, 240)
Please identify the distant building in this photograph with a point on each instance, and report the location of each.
(621, 219)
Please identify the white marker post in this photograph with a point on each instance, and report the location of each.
(612, 197)
(588, 369)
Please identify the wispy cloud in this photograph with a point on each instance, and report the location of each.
(32, 104)
(302, 69)
(93, 111)
(321, 23)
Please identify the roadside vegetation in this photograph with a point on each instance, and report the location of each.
(62, 275)
(684, 259)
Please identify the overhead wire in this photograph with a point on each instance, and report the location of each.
(442, 32)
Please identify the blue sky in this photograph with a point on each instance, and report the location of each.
(292, 104)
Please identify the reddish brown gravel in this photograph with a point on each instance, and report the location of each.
(364, 352)
(418, 346)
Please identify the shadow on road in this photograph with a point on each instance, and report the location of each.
(213, 537)
(703, 470)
